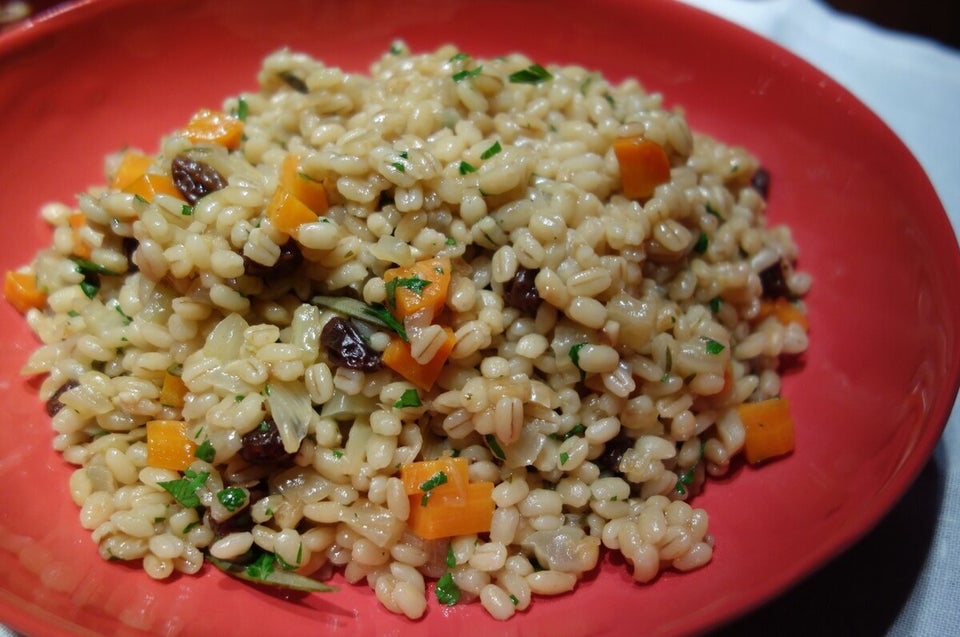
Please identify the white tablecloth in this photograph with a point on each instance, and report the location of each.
(904, 578)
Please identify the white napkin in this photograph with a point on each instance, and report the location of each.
(913, 84)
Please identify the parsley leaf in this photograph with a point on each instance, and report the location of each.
(533, 74)
(90, 285)
(490, 152)
(127, 320)
(715, 304)
(399, 165)
(466, 168)
(86, 266)
(205, 451)
(431, 483)
(702, 243)
(451, 558)
(447, 591)
(242, 109)
(409, 398)
(459, 76)
(184, 490)
(378, 311)
(262, 567)
(576, 430)
(495, 446)
(232, 498)
(714, 347)
(460, 56)
(564, 456)
(574, 354)
(415, 284)
(186, 210)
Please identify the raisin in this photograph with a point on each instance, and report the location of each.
(130, 246)
(195, 179)
(287, 263)
(263, 445)
(761, 182)
(609, 460)
(520, 292)
(53, 403)
(774, 281)
(347, 347)
(238, 523)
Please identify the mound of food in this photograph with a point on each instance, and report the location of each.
(463, 321)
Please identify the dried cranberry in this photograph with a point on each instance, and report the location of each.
(195, 179)
(609, 460)
(347, 347)
(761, 182)
(774, 281)
(263, 445)
(520, 292)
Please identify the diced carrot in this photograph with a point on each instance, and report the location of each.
(452, 489)
(397, 356)
(437, 519)
(287, 213)
(768, 427)
(644, 165)
(784, 311)
(149, 185)
(81, 248)
(20, 289)
(214, 127)
(422, 285)
(132, 166)
(310, 191)
(172, 391)
(169, 446)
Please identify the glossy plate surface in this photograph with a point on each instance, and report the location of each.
(870, 400)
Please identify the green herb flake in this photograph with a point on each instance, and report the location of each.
(460, 56)
(490, 152)
(576, 430)
(514, 600)
(232, 498)
(141, 199)
(205, 451)
(381, 313)
(90, 287)
(184, 490)
(702, 243)
(127, 320)
(415, 284)
(713, 211)
(337, 454)
(494, 445)
(450, 241)
(609, 99)
(574, 354)
(242, 110)
(533, 74)
(466, 168)
(73, 314)
(409, 398)
(186, 210)
(447, 591)
(398, 48)
(431, 483)
(262, 567)
(564, 456)
(86, 266)
(460, 76)
(451, 558)
(714, 347)
(399, 165)
(715, 304)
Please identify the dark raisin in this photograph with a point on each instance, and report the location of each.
(609, 460)
(195, 179)
(238, 523)
(263, 445)
(520, 292)
(761, 182)
(774, 281)
(53, 403)
(287, 263)
(347, 347)
(130, 246)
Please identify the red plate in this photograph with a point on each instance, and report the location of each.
(870, 401)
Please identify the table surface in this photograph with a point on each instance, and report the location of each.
(903, 578)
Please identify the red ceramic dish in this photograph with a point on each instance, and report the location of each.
(870, 399)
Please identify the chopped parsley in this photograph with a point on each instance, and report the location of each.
(702, 243)
(186, 210)
(397, 48)
(337, 454)
(576, 430)
(714, 347)
(715, 304)
(711, 210)
(400, 166)
(127, 320)
(514, 600)
(90, 286)
(460, 56)
(451, 560)
(447, 591)
(574, 354)
(293, 81)
(490, 152)
(466, 168)
(431, 483)
(205, 451)
(564, 456)
(450, 241)
(242, 109)
(184, 490)
(73, 314)
(459, 76)
(415, 284)
(232, 498)
(141, 199)
(378, 311)
(86, 266)
(409, 398)
(494, 445)
(533, 74)
(262, 567)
